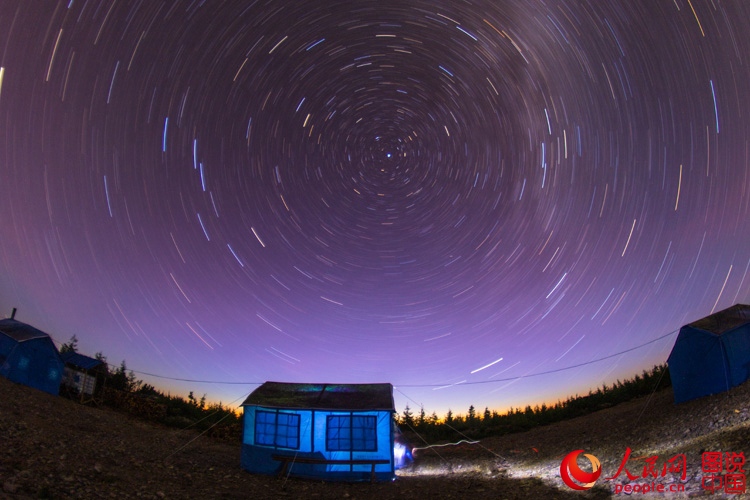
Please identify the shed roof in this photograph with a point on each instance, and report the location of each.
(323, 396)
(80, 360)
(20, 332)
(724, 320)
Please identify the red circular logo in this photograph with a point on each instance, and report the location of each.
(572, 475)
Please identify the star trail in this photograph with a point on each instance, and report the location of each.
(453, 197)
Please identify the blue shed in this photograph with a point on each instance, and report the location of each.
(333, 432)
(712, 354)
(29, 357)
(83, 376)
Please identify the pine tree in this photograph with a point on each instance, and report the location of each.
(70, 346)
(101, 357)
(432, 420)
(407, 418)
(124, 380)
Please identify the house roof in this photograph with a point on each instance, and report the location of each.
(79, 360)
(323, 396)
(20, 332)
(725, 320)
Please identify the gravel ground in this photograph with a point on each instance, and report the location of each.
(51, 447)
(649, 426)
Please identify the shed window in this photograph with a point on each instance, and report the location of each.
(277, 429)
(351, 433)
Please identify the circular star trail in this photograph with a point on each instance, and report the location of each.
(429, 195)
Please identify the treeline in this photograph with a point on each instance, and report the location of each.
(477, 424)
(118, 388)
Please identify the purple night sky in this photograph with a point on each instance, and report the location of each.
(449, 196)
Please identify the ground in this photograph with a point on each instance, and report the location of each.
(51, 447)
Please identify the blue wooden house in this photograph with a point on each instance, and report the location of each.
(28, 356)
(333, 432)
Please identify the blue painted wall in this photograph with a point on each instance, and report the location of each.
(312, 443)
(35, 363)
(702, 363)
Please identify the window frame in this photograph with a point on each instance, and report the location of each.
(279, 440)
(360, 438)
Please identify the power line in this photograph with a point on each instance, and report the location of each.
(218, 382)
(493, 381)
(546, 372)
(166, 377)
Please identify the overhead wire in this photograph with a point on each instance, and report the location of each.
(492, 381)
(476, 382)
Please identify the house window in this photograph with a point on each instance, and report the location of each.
(280, 430)
(351, 433)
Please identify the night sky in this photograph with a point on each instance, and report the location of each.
(450, 196)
